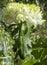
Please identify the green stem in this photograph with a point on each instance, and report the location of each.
(42, 54)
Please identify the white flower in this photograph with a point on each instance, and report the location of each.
(34, 18)
(20, 15)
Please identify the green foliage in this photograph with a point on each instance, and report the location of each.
(4, 2)
(6, 44)
(30, 45)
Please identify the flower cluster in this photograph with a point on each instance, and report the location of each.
(16, 12)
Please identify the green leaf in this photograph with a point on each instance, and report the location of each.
(29, 61)
(25, 45)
